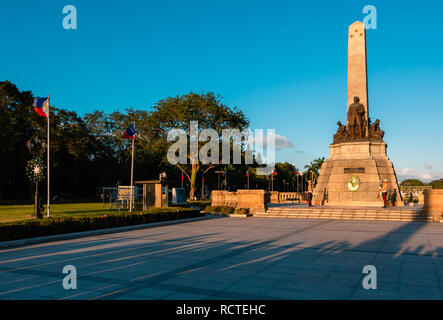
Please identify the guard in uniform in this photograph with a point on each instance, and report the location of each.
(384, 192)
(310, 193)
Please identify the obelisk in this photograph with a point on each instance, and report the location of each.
(357, 165)
(357, 68)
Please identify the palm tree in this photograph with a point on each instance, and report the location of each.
(313, 169)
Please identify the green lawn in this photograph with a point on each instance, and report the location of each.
(23, 212)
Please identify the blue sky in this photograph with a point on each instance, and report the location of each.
(284, 63)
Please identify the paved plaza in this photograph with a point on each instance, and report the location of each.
(235, 258)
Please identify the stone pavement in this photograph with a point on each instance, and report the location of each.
(235, 258)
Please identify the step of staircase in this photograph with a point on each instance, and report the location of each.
(382, 214)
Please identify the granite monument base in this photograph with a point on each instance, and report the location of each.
(353, 173)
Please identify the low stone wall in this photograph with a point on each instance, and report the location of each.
(433, 203)
(222, 198)
(289, 197)
(275, 196)
(255, 200)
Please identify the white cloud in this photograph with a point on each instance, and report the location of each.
(408, 173)
(428, 166)
(281, 142)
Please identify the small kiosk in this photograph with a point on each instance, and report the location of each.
(155, 193)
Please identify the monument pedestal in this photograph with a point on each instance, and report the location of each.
(353, 173)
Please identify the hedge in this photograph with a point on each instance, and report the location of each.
(45, 227)
(220, 209)
(224, 210)
(243, 211)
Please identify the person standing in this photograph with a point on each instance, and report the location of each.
(310, 193)
(384, 192)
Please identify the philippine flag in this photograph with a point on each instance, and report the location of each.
(41, 106)
(130, 132)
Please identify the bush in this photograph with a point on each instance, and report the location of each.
(243, 211)
(45, 227)
(199, 203)
(220, 209)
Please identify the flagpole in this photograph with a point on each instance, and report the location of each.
(132, 175)
(49, 195)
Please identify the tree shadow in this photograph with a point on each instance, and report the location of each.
(304, 259)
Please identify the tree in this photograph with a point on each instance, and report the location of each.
(178, 112)
(436, 184)
(412, 182)
(285, 175)
(17, 125)
(313, 169)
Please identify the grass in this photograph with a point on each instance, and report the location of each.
(199, 203)
(68, 220)
(23, 212)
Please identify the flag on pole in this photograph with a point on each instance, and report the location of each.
(130, 132)
(41, 106)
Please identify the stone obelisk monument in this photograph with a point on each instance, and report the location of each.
(357, 65)
(357, 163)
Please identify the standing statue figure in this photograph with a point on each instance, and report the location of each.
(356, 120)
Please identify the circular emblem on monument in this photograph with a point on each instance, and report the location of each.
(354, 183)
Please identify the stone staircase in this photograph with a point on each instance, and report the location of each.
(346, 213)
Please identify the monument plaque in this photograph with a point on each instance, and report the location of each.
(357, 160)
(354, 170)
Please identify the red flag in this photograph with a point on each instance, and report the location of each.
(41, 106)
(130, 132)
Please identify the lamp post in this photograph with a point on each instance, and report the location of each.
(35, 169)
(218, 178)
(302, 187)
(247, 177)
(203, 187)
